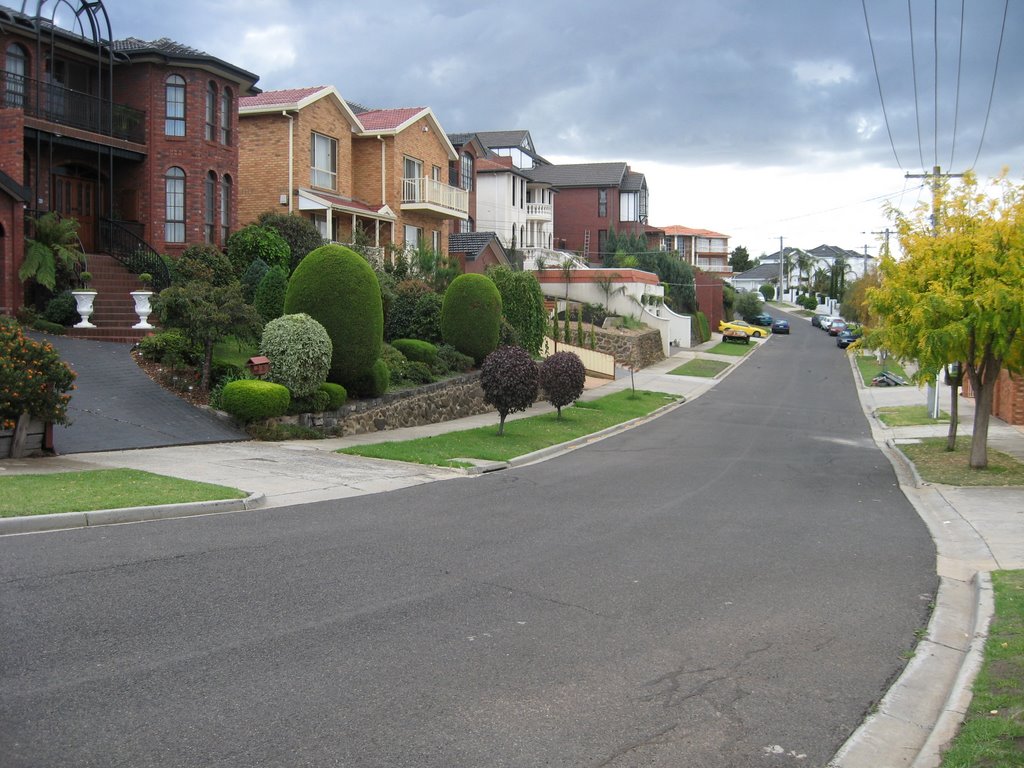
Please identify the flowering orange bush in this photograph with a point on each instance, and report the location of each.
(33, 378)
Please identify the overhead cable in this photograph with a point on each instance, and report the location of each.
(878, 81)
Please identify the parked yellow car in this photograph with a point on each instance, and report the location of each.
(741, 325)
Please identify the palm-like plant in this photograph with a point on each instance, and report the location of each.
(53, 249)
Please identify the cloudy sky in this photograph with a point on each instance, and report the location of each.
(755, 118)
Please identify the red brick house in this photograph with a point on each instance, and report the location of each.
(592, 199)
(136, 140)
(701, 248)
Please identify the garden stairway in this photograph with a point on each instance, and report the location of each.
(114, 308)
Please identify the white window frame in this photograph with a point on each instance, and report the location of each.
(323, 161)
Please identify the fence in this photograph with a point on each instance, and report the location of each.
(597, 363)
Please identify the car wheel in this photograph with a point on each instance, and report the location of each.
(756, 334)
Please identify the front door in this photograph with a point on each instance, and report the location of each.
(75, 197)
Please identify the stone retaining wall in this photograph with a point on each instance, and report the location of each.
(441, 401)
(629, 347)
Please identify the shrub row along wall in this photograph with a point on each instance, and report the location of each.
(641, 348)
(429, 404)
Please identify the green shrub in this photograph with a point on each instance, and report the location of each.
(768, 291)
(449, 359)
(300, 353)
(336, 395)
(426, 321)
(373, 383)
(255, 242)
(33, 378)
(251, 278)
(206, 263)
(269, 299)
(471, 315)
(522, 303)
(61, 310)
(299, 232)
(337, 287)
(217, 389)
(416, 350)
(314, 403)
(47, 327)
(171, 347)
(703, 327)
(400, 317)
(418, 373)
(254, 400)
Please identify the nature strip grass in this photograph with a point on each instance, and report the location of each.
(992, 733)
(731, 348)
(937, 465)
(869, 367)
(701, 367)
(909, 416)
(521, 436)
(46, 494)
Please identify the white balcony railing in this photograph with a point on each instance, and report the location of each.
(538, 211)
(713, 266)
(430, 194)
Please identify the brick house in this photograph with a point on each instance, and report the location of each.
(592, 199)
(349, 169)
(136, 140)
(701, 248)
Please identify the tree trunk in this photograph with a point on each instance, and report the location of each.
(204, 381)
(501, 422)
(983, 397)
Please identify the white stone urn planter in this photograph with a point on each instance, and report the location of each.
(142, 309)
(83, 302)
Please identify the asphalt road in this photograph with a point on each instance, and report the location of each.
(733, 584)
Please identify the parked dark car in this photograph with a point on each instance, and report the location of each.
(780, 326)
(762, 319)
(816, 320)
(846, 337)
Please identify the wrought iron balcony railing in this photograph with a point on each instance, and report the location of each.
(63, 106)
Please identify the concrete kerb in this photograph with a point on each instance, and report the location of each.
(65, 520)
(923, 709)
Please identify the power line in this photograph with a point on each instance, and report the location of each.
(959, 66)
(878, 80)
(991, 94)
(913, 66)
(935, 35)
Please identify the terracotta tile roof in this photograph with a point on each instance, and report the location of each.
(675, 229)
(286, 97)
(388, 119)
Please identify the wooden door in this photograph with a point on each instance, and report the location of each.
(75, 197)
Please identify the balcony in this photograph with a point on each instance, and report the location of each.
(62, 106)
(713, 266)
(538, 211)
(432, 196)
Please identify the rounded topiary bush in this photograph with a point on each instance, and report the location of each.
(300, 353)
(562, 377)
(253, 400)
(255, 242)
(336, 395)
(61, 309)
(471, 315)
(373, 383)
(337, 287)
(417, 351)
(509, 380)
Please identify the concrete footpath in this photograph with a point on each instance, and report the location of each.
(976, 531)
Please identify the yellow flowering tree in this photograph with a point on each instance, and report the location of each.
(33, 379)
(957, 295)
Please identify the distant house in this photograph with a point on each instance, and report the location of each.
(593, 199)
(381, 173)
(854, 264)
(753, 279)
(701, 248)
(477, 251)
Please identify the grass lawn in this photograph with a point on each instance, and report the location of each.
(100, 489)
(869, 367)
(992, 735)
(701, 367)
(521, 436)
(937, 465)
(909, 416)
(233, 352)
(732, 348)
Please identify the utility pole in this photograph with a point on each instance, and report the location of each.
(782, 258)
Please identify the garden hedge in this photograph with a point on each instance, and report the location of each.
(416, 350)
(300, 353)
(471, 315)
(253, 400)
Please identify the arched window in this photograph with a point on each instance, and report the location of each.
(227, 109)
(15, 67)
(210, 133)
(174, 205)
(210, 208)
(174, 97)
(225, 208)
